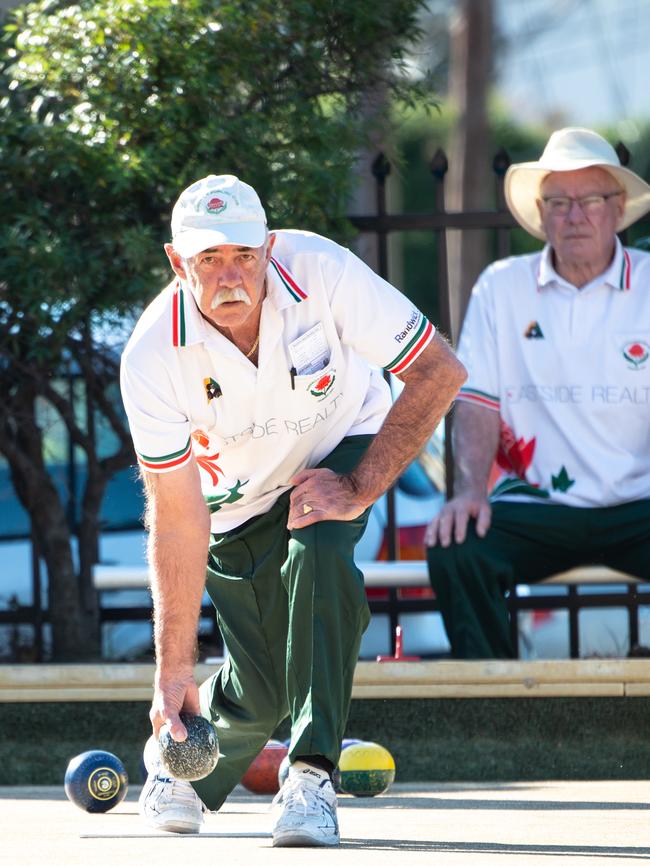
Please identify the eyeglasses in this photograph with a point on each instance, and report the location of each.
(560, 205)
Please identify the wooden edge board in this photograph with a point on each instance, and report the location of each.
(124, 682)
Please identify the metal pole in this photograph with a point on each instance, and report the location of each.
(381, 170)
(71, 507)
(37, 598)
(439, 166)
(500, 164)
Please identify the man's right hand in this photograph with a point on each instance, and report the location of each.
(451, 521)
(173, 693)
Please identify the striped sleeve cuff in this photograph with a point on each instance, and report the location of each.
(167, 461)
(415, 346)
(480, 398)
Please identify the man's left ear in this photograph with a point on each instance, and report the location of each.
(176, 261)
(269, 246)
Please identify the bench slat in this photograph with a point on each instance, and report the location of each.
(405, 573)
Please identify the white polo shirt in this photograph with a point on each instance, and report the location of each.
(190, 393)
(569, 372)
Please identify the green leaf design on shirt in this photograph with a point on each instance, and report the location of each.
(215, 502)
(561, 481)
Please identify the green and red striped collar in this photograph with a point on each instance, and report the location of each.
(625, 278)
(618, 275)
(179, 328)
(287, 282)
(185, 330)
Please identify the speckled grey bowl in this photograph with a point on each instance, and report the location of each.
(193, 758)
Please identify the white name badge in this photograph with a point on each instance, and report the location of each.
(310, 352)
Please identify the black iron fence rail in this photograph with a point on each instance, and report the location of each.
(393, 605)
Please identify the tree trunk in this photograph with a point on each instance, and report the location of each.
(89, 530)
(74, 618)
(74, 612)
(469, 163)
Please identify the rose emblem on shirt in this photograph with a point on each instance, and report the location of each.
(322, 386)
(636, 353)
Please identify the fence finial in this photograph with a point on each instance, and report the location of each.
(439, 164)
(380, 167)
(501, 162)
(623, 153)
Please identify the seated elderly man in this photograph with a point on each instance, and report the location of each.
(554, 418)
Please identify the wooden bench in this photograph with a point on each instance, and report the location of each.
(405, 573)
(412, 574)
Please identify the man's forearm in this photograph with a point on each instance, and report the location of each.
(178, 566)
(429, 389)
(475, 439)
(179, 537)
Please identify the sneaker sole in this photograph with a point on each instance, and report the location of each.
(305, 840)
(175, 826)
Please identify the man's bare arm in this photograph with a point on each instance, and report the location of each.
(475, 438)
(430, 385)
(179, 535)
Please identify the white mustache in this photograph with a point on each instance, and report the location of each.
(226, 296)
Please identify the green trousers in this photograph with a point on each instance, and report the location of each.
(526, 543)
(291, 607)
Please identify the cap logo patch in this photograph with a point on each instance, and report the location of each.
(215, 205)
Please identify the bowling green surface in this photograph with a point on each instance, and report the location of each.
(446, 824)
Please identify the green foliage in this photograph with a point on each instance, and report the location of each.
(169, 91)
(112, 107)
(109, 109)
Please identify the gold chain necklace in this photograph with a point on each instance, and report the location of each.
(253, 347)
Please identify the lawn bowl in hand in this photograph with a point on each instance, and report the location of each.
(96, 781)
(193, 758)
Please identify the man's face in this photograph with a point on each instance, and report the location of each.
(228, 282)
(584, 236)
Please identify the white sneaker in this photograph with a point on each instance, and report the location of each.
(306, 809)
(166, 803)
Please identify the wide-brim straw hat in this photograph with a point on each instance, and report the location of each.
(567, 150)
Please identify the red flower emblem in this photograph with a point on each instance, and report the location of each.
(216, 204)
(323, 385)
(514, 455)
(636, 353)
(323, 382)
